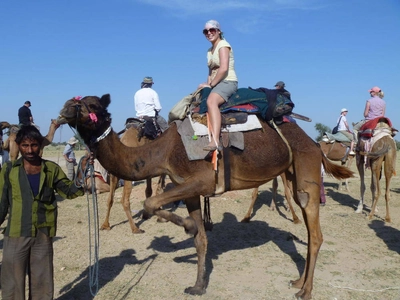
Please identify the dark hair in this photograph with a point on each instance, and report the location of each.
(29, 132)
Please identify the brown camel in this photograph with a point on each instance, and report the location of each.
(383, 152)
(130, 139)
(288, 197)
(100, 185)
(337, 151)
(4, 125)
(266, 155)
(12, 147)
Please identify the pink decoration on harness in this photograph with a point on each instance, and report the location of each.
(93, 117)
(78, 98)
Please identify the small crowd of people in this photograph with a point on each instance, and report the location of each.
(27, 247)
(374, 107)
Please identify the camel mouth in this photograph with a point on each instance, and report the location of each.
(61, 120)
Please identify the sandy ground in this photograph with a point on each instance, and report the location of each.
(359, 258)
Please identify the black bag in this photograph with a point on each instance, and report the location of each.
(335, 129)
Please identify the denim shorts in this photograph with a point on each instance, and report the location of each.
(225, 89)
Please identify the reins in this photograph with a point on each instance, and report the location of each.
(93, 217)
(92, 204)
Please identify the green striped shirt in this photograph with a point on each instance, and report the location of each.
(28, 213)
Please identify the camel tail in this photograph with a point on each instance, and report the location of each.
(378, 153)
(337, 171)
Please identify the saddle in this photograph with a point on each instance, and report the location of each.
(146, 127)
(367, 130)
(269, 104)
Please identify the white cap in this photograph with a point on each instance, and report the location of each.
(73, 141)
(343, 110)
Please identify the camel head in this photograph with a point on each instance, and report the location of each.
(4, 125)
(55, 123)
(88, 115)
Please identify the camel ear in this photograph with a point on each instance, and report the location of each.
(105, 100)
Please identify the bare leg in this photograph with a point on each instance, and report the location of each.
(213, 102)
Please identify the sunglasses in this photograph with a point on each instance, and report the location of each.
(211, 30)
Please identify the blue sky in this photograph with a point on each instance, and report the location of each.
(329, 53)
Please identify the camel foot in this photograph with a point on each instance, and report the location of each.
(246, 220)
(137, 231)
(297, 221)
(190, 227)
(296, 284)
(359, 209)
(105, 227)
(193, 290)
(146, 215)
(303, 295)
(161, 220)
(388, 219)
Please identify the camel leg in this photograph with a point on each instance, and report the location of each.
(154, 204)
(348, 165)
(376, 167)
(307, 186)
(274, 193)
(126, 204)
(247, 217)
(200, 242)
(289, 198)
(360, 167)
(110, 201)
(390, 161)
(192, 224)
(311, 218)
(148, 193)
(161, 184)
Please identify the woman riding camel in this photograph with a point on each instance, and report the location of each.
(374, 108)
(221, 79)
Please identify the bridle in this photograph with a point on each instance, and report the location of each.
(92, 118)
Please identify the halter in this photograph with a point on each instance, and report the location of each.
(92, 117)
(103, 135)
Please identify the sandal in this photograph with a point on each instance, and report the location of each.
(212, 148)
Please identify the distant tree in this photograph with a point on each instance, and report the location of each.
(397, 144)
(321, 128)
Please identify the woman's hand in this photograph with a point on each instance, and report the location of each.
(203, 85)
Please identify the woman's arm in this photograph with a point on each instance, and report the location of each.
(223, 66)
(366, 110)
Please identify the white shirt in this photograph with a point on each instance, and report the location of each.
(146, 101)
(4, 158)
(342, 125)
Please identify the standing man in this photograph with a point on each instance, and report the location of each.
(25, 115)
(69, 156)
(4, 156)
(148, 104)
(27, 194)
(280, 85)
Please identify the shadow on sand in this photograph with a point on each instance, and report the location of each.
(388, 234)
(110, 268)
(231, 235)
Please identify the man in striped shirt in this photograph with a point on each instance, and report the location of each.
(27, 195)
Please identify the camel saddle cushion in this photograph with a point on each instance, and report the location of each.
(268, 103)
(367, 130)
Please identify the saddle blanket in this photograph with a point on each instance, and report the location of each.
(340, 137)
(251, 124)
(194, 143)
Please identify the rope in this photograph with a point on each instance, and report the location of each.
(362, 290)
(93, 236)
(284, 140)
(93, 220)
